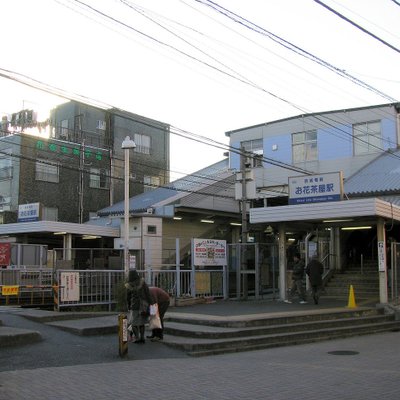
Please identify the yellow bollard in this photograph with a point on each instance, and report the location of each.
(352, 301)
(123, 335)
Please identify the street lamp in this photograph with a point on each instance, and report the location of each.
(127, 144)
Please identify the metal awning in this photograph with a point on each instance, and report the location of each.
(54, 227)
(318, 212)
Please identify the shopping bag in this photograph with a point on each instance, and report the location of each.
(155, 322)
(154, 309)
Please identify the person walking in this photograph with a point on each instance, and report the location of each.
(138, 299)
(161, 297)
(314, 270)
(297, 280)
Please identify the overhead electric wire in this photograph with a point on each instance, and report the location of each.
(280, 163)
(202, 139)
(300, 108)
(120, 178)
(247, 81)
(290, 46)
(357, 25)
(193, 58)
(391, 33)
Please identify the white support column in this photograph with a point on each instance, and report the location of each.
(67, 243)
(282, 262)
(178, 267)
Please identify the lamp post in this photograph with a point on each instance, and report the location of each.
(127, 144)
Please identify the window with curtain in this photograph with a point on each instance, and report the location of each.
(304, 146)
(367, 137)
(99, 178)
(47, 171)
(143, 143)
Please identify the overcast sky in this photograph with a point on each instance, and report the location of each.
(198, 67)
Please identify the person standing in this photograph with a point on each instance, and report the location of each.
(161, 297)
(314, 270)
(297, 280)
(138, 299)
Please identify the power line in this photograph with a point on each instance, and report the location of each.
(292, 47)
(182, 133)
(357, 26)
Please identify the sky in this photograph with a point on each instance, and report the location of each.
(205, 67)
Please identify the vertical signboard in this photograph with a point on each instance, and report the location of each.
(381, 256)
(70, 290)
(5, 254)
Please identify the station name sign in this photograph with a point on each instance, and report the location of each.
(316, 188)
(29, 212)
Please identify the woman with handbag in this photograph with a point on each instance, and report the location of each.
(138, 299)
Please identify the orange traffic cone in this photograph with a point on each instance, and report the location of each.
(352, 301)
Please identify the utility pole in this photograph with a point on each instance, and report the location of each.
(243, 168)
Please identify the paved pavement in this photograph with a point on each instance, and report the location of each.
(365, 367)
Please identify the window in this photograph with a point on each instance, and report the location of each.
(6, 165)
(47, 171)
(99, 178)
(254, 146)
(142, 143)
(101, 125)
(151, 229)
(64, 129)
(151, 182)
(367, 137)
(49, 213)
(92, 215)
(304, 146)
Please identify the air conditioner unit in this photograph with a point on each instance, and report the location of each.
(101, 125)
(150, 211)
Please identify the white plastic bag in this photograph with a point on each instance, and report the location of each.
(155, 322)
(154, 309)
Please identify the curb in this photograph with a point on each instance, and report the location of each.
(16, 336)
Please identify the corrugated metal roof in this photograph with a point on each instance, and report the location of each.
(174, 191)
(382, 175)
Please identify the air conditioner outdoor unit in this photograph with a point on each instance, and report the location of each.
(150, 210)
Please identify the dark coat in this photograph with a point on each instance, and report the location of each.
(298, 270)
(137, 293)
(314, 270)
(159, 295)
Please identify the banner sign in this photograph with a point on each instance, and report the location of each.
(5, 253)
(209, 252)
(8, 290)
(315, 188)
(70, 290)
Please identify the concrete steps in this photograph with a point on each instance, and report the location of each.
(202, 337)
(10, 336)
(365, 283)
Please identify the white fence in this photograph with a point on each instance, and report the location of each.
(79, 288)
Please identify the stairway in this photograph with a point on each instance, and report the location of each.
(365, 282)
(202, 336)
